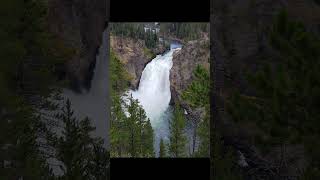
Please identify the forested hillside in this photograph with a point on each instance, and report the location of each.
(132, 134)
(265, 83)
(31, 108)
(184, 31)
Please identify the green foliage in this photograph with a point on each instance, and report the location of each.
(118, 130)
(83, 157)
(133, 126)
(197, 96)
(147, 149)
(131, 135)
(135, 31)
(31, 65)
(150, 39)
(132, 30)
(204, 136)
(162, 149)
(19, 146)
(287, 98)
(225, 162)
(100, 164)
(197, 93)
(119, 77)
(184, 31)
(177, 146)
(149, 53)
(29, 53)
(28, 74)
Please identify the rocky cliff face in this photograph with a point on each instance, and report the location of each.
(185, 61)
(133, 54)
(79, 24)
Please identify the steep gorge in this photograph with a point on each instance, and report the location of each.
(134, 55)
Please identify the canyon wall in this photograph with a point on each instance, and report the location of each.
(133, 54)
(79, 25)
(185, 61)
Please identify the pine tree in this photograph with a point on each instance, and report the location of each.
(20, 129)
(197, 93)
(225, 161)
(131, 133)
(147, 140)
(100, 164)
(69, 150)
(285, 103)
(177, 146)
(119, 133)
(133, 128)
(82, 156)
(204, 136)
(28, 71)
(163, 150)
(119, 136)
(139, 129)
(141, 132)
(197, 96)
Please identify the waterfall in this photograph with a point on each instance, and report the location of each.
(94, 102)
(154, 93)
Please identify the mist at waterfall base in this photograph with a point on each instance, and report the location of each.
(154, 94)
(93, 103)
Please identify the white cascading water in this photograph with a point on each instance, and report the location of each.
(154, 89)
(154, 93)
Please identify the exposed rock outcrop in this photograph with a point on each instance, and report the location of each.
(79, 24)
(185, 61)
(133, 54)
